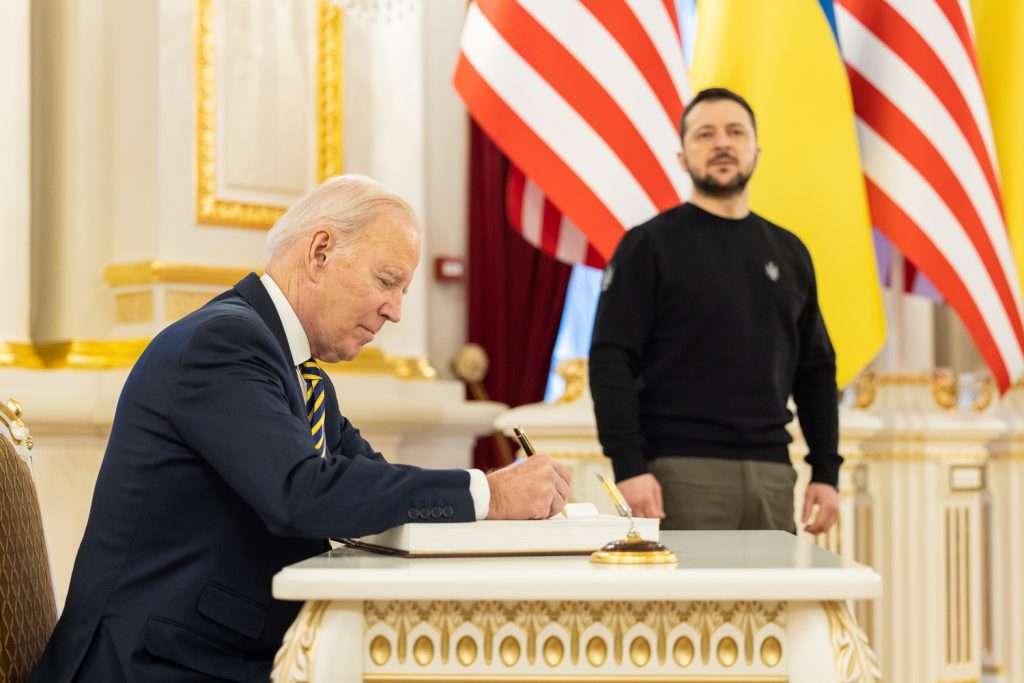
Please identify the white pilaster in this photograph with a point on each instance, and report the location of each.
(384, 137)
(15, 169)
(1004, 658)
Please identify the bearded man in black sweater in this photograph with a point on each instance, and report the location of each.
(708, 322)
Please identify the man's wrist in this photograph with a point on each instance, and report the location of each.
(480, 491)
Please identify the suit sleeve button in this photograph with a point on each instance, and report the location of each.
(447, 511)
(413, 513)
(435, 512)
(424, 513)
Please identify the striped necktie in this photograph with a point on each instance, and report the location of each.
(314, 378)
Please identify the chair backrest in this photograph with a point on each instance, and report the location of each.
(28, 608)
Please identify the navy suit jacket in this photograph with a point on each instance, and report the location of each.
(211, 484)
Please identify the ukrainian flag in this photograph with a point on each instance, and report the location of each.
(999, 29)
(783, 57)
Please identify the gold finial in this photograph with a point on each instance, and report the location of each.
(470, 363)
(574, 372)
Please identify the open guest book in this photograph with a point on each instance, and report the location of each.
(581, 532)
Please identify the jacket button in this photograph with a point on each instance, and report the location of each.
(448, 511)
(435, 512)
(413, 513)
(424, 513)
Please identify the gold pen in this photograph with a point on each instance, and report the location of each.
(618, 500)
(528, 448)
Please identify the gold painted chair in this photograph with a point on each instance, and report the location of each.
(28, 608)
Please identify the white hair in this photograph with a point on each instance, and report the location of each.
(345, 204)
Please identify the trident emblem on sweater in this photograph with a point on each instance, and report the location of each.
(771, 270)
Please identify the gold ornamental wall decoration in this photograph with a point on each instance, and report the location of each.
(209, 207)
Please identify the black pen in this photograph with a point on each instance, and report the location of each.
(528, 449)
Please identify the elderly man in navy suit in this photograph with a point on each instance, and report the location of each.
(229, 458)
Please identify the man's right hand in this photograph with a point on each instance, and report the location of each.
(643, 493)
(535, 488)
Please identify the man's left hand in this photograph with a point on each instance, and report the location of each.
(826, 499)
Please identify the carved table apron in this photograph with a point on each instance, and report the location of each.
(740, 606)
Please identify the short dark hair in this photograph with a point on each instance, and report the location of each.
(713, 94)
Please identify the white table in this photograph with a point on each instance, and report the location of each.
(751, 606)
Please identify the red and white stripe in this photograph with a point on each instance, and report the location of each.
(585, 98)
(543, 225)
(927, 150)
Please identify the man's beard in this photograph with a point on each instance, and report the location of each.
(709, 186)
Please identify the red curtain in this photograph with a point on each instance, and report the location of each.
(516, 293)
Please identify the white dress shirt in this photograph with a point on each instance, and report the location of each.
(298, 344)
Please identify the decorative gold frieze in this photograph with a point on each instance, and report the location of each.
(133, 307)
(855, 661)
(551, 634)
(293, 662)
(210, 208)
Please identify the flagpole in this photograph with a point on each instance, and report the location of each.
(892, 358)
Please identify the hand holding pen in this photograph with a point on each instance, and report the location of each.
(528, 448)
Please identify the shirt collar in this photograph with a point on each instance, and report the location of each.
(298, 342)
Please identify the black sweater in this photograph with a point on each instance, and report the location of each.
(705, 327)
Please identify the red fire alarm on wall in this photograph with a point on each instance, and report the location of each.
(449, 268)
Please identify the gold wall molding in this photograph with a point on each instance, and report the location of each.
(122, 353)
(156, 272)
(375, 362)
(211, 209)
(855, 661)
(293, 662)
(632, 633)
(73, 355)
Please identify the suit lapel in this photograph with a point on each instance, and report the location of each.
(255, 294)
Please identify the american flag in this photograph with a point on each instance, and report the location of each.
(584, 99)
(929, 161)
(541, 224)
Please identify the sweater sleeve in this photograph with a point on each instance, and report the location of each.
(621, 329)
(815, 392)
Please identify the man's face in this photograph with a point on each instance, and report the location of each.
(360, 291)
(720, 148)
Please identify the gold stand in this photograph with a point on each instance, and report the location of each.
(634, 550)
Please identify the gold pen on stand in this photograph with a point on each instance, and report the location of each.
(528, 448)
(619, 501)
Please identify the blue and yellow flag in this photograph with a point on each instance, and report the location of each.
(783, 57)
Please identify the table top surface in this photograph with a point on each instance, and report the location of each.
(713, 565)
